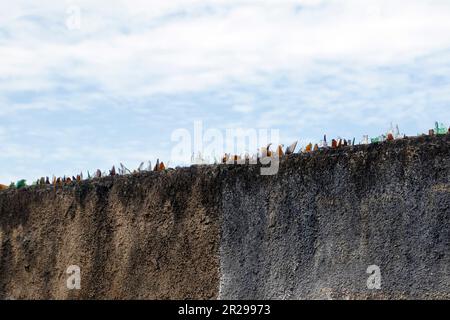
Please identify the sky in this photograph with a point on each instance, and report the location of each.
(90, 84)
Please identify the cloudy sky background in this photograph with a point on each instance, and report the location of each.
(116, 88)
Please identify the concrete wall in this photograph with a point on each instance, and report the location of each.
(311, 231)
(152, 236)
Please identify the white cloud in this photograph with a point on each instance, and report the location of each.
(201, 48)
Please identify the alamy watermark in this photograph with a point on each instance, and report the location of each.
(236, 146)
(74, 280)
(73, 18)
(374, 280)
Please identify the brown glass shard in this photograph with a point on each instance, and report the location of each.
(156, 168)
(280, 152)
(334, 144)
(308, 147)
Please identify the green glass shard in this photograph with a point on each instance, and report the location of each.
(21, 184)
(440, 129)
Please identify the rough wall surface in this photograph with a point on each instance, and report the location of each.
(311, 231)
(151, 236)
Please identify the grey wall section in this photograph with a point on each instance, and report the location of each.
(227, 232)
(312, 230)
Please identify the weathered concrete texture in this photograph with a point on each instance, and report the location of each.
(226, 231)
(312, 230)
(147, 236)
